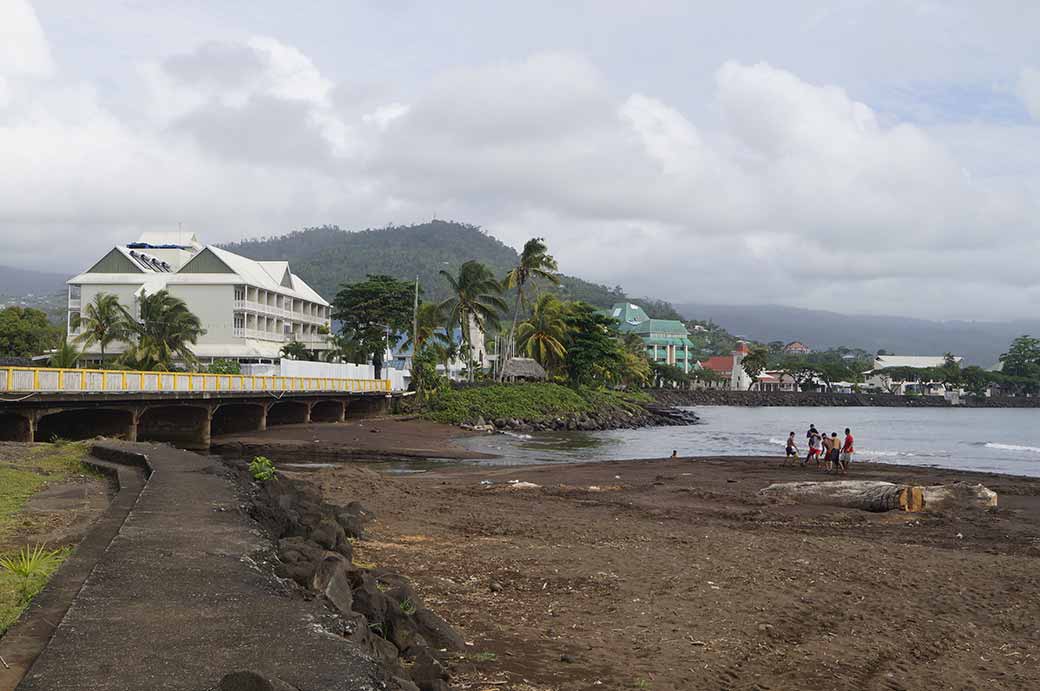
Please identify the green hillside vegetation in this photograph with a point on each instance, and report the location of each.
(329, 256)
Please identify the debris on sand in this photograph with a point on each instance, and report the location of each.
(875, 495)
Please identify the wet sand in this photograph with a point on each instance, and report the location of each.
(677, 574)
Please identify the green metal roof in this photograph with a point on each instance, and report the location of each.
(627, 313)
(668, 326)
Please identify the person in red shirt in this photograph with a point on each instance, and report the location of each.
(847, 449)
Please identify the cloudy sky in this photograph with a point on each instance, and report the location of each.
(878, 157)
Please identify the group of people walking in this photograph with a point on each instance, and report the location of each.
(831, 452)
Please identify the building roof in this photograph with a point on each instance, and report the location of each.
(796, 346)
(719, 363)
(523, 368)
(202, 265)
(628, 313)
(667, 326)
(883, 361)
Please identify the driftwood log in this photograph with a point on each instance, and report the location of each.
(874, 495)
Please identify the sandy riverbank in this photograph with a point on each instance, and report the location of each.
(676, 574)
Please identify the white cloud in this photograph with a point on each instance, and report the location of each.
(1029, 90)
(23, 47)
(797, 192)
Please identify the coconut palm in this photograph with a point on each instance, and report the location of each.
(431, 328)
(102, 322)
(475, 303)
(535, 262)
(164, 332)
(542, 337)
(65, 357)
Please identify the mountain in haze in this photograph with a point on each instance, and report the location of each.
(979, 343)
(327, 257)
(16, 282)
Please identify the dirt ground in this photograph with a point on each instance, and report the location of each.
(65, 505)
(677, 574)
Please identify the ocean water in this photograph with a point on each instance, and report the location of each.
(1004, 440)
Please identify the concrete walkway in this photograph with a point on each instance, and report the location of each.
(176, 602)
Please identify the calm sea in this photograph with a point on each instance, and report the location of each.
(996, 440)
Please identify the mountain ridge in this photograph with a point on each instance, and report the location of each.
(979, 342)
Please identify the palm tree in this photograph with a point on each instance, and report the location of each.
(535, 262)
(294, 350)
(430, 322)
(542, 337)
(475, 302)
(164, 333)
(65, 357)
(102, 322)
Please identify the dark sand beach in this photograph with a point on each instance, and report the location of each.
(678, 574)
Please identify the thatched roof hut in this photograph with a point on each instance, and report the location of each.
(523, 368)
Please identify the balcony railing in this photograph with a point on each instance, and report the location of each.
(275, 311)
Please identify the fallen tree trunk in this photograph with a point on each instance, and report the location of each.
(875, 495)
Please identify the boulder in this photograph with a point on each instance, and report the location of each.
(328, 534)
(331, 580)
(436, 631)
(429, 674)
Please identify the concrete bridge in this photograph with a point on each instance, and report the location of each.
(185, 410)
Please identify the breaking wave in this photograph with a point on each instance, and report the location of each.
(1011, 447)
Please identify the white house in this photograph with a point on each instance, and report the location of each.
(249, 308)
(878, 379)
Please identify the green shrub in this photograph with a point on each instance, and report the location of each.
(530, 402)
(262, 469)
(224, 367)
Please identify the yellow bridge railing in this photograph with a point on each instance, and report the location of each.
(51, 380)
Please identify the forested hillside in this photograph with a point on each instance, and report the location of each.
(328, 256)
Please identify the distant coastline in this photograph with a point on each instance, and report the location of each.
(710, 397)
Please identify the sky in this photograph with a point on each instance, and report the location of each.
(861, 156)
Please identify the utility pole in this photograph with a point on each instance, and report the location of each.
(415, 323)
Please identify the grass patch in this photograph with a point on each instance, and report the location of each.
(20, 479)
(483, 657)
(18, 589)
(529, 402)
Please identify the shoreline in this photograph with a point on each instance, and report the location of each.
(408, 439)
(810, 399)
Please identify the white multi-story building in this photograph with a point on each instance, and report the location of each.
(249, 309)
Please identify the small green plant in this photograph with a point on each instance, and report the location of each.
(262, 469)
(642, 684)
(31, 566)
(378, 629)
(408, 607)
(483, 657)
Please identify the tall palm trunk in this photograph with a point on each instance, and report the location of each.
(511, 345)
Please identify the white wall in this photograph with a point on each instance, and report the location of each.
(214, 306)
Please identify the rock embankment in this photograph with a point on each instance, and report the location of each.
(376, 609)
(699, 397)
(650, 415)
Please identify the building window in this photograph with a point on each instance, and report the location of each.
(75, 292)
(240, 293)
(240, 320)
